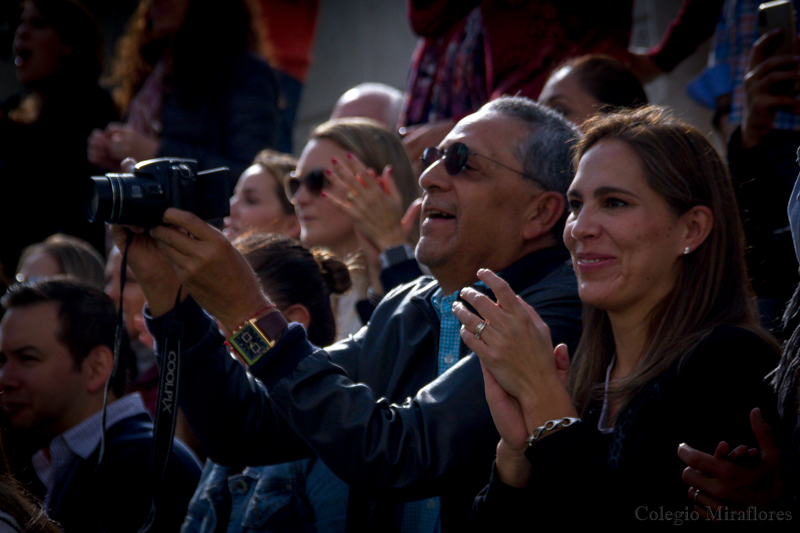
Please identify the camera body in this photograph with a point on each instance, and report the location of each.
(141, 197)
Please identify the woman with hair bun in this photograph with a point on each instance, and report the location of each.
(300, 495)
(295, 277)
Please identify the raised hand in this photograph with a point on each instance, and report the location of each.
(216, 275)
(762, 104)
(97, 151)
(372, 202)
(124, 142)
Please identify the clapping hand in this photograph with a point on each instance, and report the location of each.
(524, 376)
(736, 479)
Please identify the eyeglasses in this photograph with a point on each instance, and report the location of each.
(455, 159)
(314, 181)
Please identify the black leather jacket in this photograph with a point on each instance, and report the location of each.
(371, 407)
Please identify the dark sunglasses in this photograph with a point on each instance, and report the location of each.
(314, 181)
(455, 159)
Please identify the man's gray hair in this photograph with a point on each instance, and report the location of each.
(546, 152)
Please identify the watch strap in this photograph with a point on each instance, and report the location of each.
(395, 255)
(272, 324)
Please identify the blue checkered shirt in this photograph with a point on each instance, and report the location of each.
(424, 516)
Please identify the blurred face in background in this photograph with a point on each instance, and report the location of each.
(37, 266)
(256, 206)
(38, 49)
(321, 223)
(563, 94)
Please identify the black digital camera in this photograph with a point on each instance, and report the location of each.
(140, 198)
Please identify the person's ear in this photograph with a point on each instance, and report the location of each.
(699, 221)
(97, 367)
(298, 313)
(543, 214)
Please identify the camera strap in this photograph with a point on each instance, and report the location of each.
(167, 408)
(117, 345)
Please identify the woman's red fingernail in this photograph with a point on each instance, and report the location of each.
(349, 155)
(327, 172)
(334, 160)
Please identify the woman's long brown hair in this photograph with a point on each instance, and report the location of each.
(712, 286)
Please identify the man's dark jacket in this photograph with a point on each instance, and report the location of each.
(370, 406)
(116, 496)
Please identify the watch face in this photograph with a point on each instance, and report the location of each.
(250, 343)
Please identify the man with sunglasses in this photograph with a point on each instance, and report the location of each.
(397, 410)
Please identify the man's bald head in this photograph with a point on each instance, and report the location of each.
(371, 100)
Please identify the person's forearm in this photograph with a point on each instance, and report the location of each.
(693, 25)
(545, 404)
(376, 445)
(228, 410)
(513, 468)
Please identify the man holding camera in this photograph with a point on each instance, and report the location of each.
(397, 410)
(56, 355)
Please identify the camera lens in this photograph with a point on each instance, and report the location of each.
(127, 199)
(105, 201)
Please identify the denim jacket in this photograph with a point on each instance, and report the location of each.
(302, 496)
